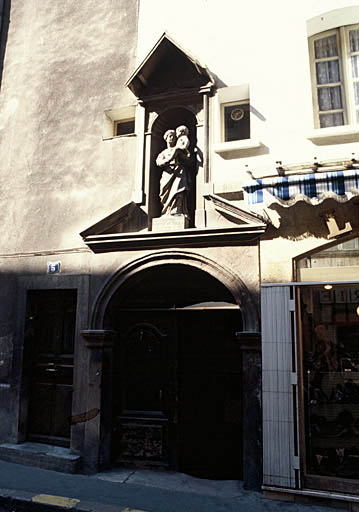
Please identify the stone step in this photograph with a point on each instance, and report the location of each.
(41, 455)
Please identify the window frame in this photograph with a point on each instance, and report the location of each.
(123, 121)
(346, 79)
(114, 116)
(226, 96)
(223, 120)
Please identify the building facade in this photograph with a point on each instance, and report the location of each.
(179, 257)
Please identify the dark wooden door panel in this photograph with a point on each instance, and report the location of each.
(40, 417)
(210, 390)
(143, 387)
(62, 410)
(49, 347)
(178, 391)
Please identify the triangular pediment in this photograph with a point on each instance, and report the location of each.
(129, 218)
(126, 229)
(168, 67)
(234, 213)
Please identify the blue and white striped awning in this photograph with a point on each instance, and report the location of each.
(312, 188)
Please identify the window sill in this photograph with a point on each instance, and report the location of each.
(334, 135)
(119, 136)
(236, 145)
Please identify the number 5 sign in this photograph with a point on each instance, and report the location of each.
(53, 267)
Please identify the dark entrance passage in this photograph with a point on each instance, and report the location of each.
(210, 394)
(48, 364)
(177, 374)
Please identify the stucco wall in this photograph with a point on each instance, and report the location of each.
(65, 63)
(263, 44)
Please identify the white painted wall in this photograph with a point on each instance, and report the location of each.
(261, 43)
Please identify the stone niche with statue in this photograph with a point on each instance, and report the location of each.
(173, 89)
(173, 201)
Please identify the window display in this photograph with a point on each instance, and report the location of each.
(330, 377)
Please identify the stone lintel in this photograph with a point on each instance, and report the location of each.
(191, 237)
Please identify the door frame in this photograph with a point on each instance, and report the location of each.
(36, 282)
(249, 340)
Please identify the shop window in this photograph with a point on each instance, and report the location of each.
(330, 362)
(334, 56)
(339, 261)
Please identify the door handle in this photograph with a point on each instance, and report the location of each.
(51, 367)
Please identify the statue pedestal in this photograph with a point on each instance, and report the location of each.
(170, 223)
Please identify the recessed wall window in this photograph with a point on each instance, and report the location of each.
(124, 127)
(119, 121)
(334, 56)
(236, 121)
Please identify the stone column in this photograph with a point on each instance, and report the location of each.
(252, 409)
(204, 184)
(98, 416)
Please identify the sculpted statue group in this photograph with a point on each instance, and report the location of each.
(175, 180)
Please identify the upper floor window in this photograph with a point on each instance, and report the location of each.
(124, 127)
(334, 56)
(235, 121)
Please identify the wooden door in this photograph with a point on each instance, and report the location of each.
(144, 388)
(49, 359)
(210, 394)
(178, 391)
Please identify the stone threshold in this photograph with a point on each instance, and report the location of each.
(41, 455)
(313, 497)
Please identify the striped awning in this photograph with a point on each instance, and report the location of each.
(312, 188)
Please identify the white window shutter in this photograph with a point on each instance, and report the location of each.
(279, 378)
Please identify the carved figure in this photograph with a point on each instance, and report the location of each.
(182, 138)
(175, 180)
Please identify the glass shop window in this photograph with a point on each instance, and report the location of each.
(330, 362)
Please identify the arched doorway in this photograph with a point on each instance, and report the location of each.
(177, 378)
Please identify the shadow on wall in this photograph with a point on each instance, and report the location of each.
(5, 6)
(303, 219)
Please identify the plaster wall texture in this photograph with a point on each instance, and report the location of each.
(265, 45)
(65, 63)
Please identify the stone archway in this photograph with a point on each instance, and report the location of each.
(192, 340)
(234, 283)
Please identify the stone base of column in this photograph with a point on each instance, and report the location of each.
(98, 415)
(252, 410)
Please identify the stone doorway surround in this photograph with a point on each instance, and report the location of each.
(97, 435)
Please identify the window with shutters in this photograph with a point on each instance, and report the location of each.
(334, 57)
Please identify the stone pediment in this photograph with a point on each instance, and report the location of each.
(129, 218)
(233, 212)
(168, 68)
(126, 229)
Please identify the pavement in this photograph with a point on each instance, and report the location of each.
(26, 489)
